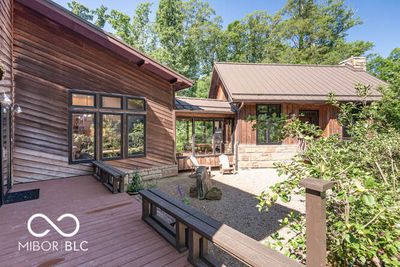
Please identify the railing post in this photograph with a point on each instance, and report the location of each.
(316, 221)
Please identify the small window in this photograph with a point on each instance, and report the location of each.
(267, 133)
(111, 102)
(136, 135)
(82, 100)
(83, 136)
(111, 136)
(135, 104)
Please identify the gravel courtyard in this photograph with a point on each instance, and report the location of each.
(237, 208)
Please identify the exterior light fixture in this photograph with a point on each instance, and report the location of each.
(7, 103)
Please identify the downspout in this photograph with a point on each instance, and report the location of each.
(237, 109)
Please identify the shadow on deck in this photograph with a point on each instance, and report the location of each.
(111, 225)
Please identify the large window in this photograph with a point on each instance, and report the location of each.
(136, 135)
(83, 136)
(203, 137)
(267, 132)
(105, 127)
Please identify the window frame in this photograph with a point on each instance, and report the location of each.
(97, 110)
(70, 133)
(267, 134)
(71, 96)
(135, 98)
(138, 155)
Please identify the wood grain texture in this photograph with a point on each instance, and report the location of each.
(6, 44)
(49, 60)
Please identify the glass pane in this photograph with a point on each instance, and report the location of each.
(135, 104)
(267, 133)
(136, 135)
(183, 137)
(111, 136)
(203, 137)
(83, 100)
(218, 137)
(228, 142)
(82, 136)
(111, 102)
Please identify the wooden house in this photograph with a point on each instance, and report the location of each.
(84, 94)
(250, 90)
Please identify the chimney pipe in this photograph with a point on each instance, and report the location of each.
(358, 63)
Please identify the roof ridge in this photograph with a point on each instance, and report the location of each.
(278, 64)
(200, 98)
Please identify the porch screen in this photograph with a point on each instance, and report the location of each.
(267, 132)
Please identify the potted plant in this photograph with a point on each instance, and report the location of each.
(135, 184)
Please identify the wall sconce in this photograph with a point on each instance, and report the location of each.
(6, 101)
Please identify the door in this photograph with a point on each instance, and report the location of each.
(311, 116)
(5, 152)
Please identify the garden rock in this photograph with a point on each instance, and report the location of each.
(214, 194)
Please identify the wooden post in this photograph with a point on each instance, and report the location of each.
(316, 221)
(194, 247)
(145, 208)
(180, 236)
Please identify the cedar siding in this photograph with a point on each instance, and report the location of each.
(6, 44)
(50, 59)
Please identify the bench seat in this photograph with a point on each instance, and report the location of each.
(111, 177)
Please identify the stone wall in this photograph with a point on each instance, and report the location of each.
(264, 156)
(155, 173)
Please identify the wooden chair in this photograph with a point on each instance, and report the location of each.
(196, 165)
(225, 166)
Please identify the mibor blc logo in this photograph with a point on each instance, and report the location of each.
(53, 245)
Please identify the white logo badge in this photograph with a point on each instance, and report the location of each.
(37, 215)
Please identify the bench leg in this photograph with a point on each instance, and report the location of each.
(145, 208)
(198, 247)
(115, 184)
(180, 236)
(153, 210)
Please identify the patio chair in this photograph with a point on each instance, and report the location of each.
(225, 166)
(195, 164)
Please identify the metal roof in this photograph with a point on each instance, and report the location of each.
(280, 82)
(59, 14)
(202, 105)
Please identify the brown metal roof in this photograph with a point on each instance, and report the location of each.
(202, 105)
(279, 82)
(66, 18)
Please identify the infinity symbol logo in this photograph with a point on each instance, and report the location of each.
(37, 215)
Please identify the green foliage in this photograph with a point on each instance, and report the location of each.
(363, 209)
(189, 37)
(387, 69)
(135, 184)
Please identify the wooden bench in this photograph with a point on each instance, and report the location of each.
(194, 230)
(111, 177)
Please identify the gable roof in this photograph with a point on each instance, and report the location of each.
(57, 13)
(288, 82)
(202, 105)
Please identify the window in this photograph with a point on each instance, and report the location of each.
(83, 100)
(111, 136)
(136, 135)
(111, 102)
(106, 129)
(267, 132)
(203, 137)
(310, 116)
(135, 104)
(83, 136)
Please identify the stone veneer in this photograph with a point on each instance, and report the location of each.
(154, 173)
(264, 156)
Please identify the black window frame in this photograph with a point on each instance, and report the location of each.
(71, 95)
(127, 138)
(70, 133)
(98, 110)
(136, 98)
(267, 132)
(112, 96)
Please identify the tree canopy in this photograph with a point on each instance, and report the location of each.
(189, 36)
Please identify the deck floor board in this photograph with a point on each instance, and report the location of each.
(111, 224)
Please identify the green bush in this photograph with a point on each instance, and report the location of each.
(363, 209)
(135, 184)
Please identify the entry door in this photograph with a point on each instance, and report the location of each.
(311, 116)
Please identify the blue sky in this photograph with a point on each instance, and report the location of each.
(381, 17)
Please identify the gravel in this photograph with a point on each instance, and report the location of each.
(237, 208)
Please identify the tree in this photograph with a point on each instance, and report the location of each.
(387, 69)
(80, 10)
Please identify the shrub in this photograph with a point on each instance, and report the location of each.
(135, 184)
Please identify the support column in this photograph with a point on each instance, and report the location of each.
(316, 221)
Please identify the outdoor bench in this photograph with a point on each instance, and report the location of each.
(111, 177)
(193, 230)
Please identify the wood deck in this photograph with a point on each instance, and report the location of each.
(111, 224)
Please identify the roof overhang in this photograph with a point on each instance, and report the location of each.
(66, 18)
